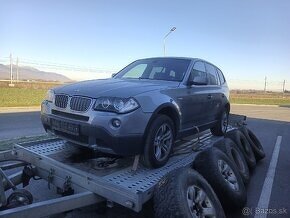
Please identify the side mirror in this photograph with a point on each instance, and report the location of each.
(199, 81)
(114, 74)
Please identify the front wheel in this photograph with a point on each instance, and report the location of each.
(222, 125)
(159, 142)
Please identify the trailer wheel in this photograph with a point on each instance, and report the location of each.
(185, 193)
(159, 142)
(227, 146)
(254, 142)
(19, 197)
(240, 139)
(223, 176)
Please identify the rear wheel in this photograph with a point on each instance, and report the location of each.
(222, 125)
(185, 193)
(159, 142)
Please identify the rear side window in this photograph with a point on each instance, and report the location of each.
(198, 70)
(212, 75)
(221, 76)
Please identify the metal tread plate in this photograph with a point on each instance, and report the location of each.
(138, 181)
(48, 147)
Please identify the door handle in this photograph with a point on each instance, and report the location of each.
(209, 97)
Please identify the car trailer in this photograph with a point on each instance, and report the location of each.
(85, 180)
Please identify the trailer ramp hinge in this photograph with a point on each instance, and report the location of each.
(50, 177)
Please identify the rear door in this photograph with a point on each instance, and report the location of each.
(214, 93)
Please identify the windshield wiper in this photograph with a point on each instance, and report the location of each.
(143, 78)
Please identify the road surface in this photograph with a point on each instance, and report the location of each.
(19, 124)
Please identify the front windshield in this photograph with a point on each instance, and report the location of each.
(170, 69)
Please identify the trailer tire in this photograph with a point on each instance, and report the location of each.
(254, 142)
(240, 139)
(174, 193)
(223, 176)
(230, 148)
(19, 197)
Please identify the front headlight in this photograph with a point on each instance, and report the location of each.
(117, 105)
(49, 96)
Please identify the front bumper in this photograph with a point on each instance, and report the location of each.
(98, 133)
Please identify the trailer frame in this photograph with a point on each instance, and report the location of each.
(128, 184)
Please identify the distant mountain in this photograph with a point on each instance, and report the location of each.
(30, 73)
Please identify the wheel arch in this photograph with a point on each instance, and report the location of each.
(169, 110)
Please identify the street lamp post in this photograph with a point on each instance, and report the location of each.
(164, 49)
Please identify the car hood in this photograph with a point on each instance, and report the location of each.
(114, 87)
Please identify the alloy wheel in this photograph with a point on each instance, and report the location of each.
(199, 203)
(163, 142)
(228, 175)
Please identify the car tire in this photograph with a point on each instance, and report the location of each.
(185, 193)
(159, 142)
(254, 142)
(223, 176)
(240, 139)
(227, 146)
(222, 125)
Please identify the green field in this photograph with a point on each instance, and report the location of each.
(14, 97)
(24, 93)
(261, 98)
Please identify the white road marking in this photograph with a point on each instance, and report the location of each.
(268, 183)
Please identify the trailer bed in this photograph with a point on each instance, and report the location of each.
(113, 179)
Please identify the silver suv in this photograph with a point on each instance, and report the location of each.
(142, 109)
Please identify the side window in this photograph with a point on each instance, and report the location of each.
(211, 74)
(198, 72)
(221, 76)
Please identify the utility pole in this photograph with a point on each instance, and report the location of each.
(284, 82)
(11, 70)
(265, 85)
(17, 72)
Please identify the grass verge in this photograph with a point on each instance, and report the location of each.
(260, 100)
(15, 97)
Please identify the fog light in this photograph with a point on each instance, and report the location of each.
(116, 123)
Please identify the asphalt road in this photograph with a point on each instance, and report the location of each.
(19, 124)
(267, 123)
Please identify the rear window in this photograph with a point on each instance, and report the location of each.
(221, 76)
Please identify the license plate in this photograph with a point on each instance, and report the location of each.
(66, 127)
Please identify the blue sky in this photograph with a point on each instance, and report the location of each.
(247, 39)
